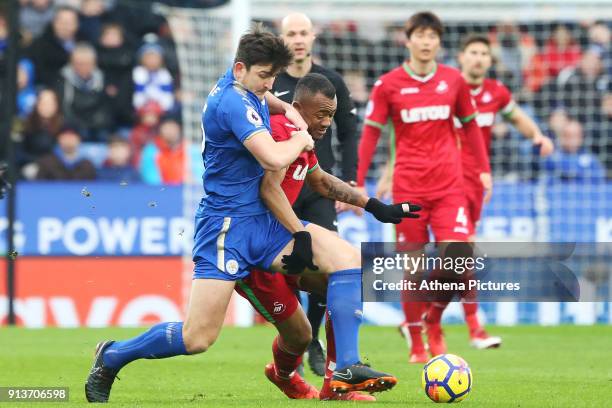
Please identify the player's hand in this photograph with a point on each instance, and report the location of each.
(294, 117)
(391, 213)
(384, 187)
(342, 207)
(301, 255)
(308, 140)
(546, 145)
(487, 184)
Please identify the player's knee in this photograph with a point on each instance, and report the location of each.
(197, 342)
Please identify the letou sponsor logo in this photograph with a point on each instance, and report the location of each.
(425, 113)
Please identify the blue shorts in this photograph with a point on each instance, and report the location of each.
(226, 248)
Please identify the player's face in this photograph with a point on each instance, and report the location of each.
(298, 36)
(475, 60)
(423, 44)
(318, 112)
(257, 79)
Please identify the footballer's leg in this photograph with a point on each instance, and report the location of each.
(411, 237)
(451, 226)
(342, 262)
(207, 306)
(272, 295)
(317, 284)
(479, 338)
(210, 294)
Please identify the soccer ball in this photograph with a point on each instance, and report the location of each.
(447, 378)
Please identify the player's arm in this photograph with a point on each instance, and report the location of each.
(466, 113)
(376, 117)
(335, 189)
(528, 128)
(384, 186)
(278, 106)
(475, 142)
(274, 155)
(244, 121)
(275, 199)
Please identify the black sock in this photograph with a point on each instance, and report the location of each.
(316, 311)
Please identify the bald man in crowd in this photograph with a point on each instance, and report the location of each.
(298, 34)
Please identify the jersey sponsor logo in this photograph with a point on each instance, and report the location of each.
(486, 97)
(442, 87)
(426, 113)
(280, 93)
(409, 91)
(231, 266)
(485, 119)
(300, 172)
(278, 308)
(253, 116)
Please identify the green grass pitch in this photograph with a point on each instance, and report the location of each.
(563, 366)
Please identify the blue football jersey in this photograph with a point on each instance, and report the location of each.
(232, 174)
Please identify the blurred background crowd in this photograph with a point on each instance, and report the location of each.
(99, 90)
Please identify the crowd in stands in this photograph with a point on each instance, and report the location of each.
(98, 90)
(97, 97)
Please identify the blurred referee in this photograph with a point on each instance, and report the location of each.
(298, 35)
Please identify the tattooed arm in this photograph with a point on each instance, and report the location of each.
(335, 189)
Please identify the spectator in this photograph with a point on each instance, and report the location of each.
(146, 129)
(599, 38)
(66, 162)
(580, 88)
(41, 127)
(511, 49)
(572, 162)
(162, 161)
(117, 166)
(91, 19)
(116, 62)
(602, 132)
(51, 51)
(560, 51)
(84, 100)
(34, 16)
(557, 121)
(152, 81)
(26, 94)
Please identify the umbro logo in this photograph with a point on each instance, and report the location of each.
(409, 91)
(278, 308)
(280, 93)
(345, 376)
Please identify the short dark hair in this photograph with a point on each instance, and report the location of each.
(260, 47)
(422, 20)
(475, 38)
(312, 84)
(65, 8)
